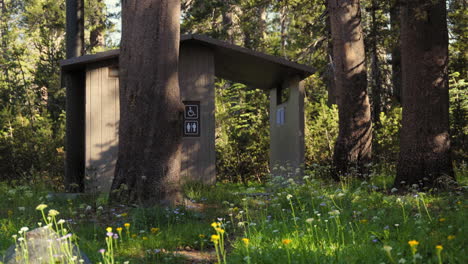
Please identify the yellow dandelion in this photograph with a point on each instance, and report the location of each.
(201, 236)
(246, 241)
(219, 230)
(413, 243)
(439, 247)
(134, 235)
(123, 214)
(145, 238)
(214, 238)
(109, 229)
(286, 241)
(215, 225)
(119, 229)
(127, 225)
(451, 237)
(154, 230)
(363, 221)
(442, 220)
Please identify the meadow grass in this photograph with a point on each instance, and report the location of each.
(305, 220)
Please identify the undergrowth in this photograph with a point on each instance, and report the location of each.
(308, 220)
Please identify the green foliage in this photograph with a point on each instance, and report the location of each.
(321, 132)
(458, 45)
(29, 146)
(387, 137)
(458, 115)
(242, 134)
(32, 100)
(458, 36)
(314, 221)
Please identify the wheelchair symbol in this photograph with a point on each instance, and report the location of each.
(191, 111)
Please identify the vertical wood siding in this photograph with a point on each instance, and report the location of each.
(196, 80)
(102, 117)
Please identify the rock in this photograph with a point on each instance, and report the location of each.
(66, 196)
(40, 242)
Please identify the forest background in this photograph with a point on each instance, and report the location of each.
(32, 100)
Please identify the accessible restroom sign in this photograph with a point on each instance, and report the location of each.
(191, 119)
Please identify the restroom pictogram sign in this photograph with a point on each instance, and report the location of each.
(191, 119)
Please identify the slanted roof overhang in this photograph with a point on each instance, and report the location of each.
(232, 62)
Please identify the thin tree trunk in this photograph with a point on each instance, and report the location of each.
(96, 36)
(425, 140)
(3, 19)
(228, 22)
(3, 41)
(262, 27)
(283, 28)
(330, 72)
(396, 57)
(150, 134)
(376, 80)
(353, 145)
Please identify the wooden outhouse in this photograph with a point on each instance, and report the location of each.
(93, 108)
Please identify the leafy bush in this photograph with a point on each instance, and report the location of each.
(320, 132)
(387, 137)
(458, 113)
(242, 133)
(30, 147)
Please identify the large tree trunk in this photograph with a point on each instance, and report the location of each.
(150, 134)
(425, 140)
(353, 145)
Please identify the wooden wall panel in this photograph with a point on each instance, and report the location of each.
(102, 115)
(196, 79)
(287, 138)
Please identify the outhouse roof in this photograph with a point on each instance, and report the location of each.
(232, 62)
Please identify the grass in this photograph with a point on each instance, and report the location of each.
(313, 221)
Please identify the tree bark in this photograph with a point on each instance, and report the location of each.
(330, 69)
(425, 140)
(96, 36)
(75, 28)
(75, 100)
(284, 28)
(376, 80)
(396, 57)
(228, 22)
(150, 134)
(353, 145)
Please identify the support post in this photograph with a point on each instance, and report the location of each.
(287, 128)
